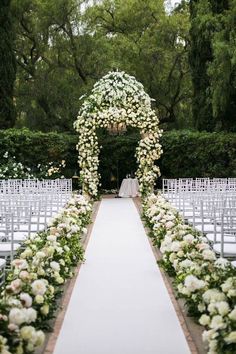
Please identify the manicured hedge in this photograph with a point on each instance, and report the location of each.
(186, 153)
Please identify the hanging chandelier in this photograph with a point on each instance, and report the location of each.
(116, 128)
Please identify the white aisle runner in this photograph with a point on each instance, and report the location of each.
(120, 304)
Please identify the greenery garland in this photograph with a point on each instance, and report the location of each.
(118, 98)
(28, 298)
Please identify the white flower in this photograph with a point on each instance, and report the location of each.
(44, 309)
(201, 307)
(231, 338)
(217, 322)
(221, 263)
(208, 255)
(39, 299)
(186, 263)
(204, 320)
(223, 308)
(38, 287)
(16, 286)
(30, 315)
(213, 295)
(26, 299)
(192, 283)
(232, 314)
(55, 266)
(169, 225)
(20, 264)
(27, 332)
(227, 285)
(189, 238)
(52, 238)
(209, 335)
(175, 246)
(17, 316)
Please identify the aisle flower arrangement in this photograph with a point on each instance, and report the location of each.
(29, 296)
(207, 283)
(118, 99)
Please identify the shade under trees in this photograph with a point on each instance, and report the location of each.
(7, 67)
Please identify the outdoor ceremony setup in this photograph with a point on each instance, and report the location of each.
(117, 177)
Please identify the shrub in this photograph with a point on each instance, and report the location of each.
(186, 153)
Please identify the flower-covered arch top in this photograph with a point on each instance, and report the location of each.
(118, 98)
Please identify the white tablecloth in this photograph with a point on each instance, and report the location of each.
(129, 188)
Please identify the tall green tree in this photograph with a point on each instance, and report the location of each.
(152, 45)
(199, 57)
(7, 67)
(208, 18)
(222, 70)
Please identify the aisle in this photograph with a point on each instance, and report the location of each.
(120, 304)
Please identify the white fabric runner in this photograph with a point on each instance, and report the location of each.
(129, 188)
(120, 304)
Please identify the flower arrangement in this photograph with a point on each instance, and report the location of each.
(28, 298)
(12, 169)
(118, 98)
(207, 284)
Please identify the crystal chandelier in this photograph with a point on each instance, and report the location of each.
(116, 128)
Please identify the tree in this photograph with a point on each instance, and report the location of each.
(199, 57)
(222, 70)
(7, 67)
(211, 59)
(152, 45)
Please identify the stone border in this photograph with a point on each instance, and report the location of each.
(64, 301)
(192, 330)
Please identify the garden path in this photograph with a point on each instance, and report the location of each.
(120, 304)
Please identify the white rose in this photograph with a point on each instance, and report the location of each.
(44, 309)
(40, 338)
(16, 286)
(221, 263)
(208, 255)
(213, 295)
(55, 266)
(27, 332)
(189, 238)
(227, 285)
(217, 322)
(30, 314)
(223, 307)
(51, 238)
(201, 307)
(169, 225)
(232, 314)
(192, 283)
(26, 299)
(20, 264)
(204, 320)
(17, 316)
(231, 338)
(175, 246)
(39, 299)
(38, 287)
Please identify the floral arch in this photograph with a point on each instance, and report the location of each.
(118, 99)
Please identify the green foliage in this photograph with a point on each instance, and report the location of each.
(7, 67)
(222, 70)
(212, 60)
(186, 153)
(62, 51)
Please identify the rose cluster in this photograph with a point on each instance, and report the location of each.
(207, 284)
(28, 298)
(118, 98)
